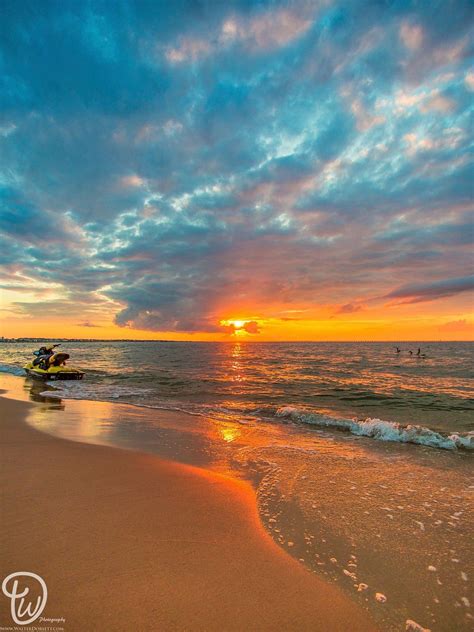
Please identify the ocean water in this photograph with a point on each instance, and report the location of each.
(361, 458)
(364, 388)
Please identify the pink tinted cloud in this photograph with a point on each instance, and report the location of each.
(469, 81)
(272, 29)
(411, 35)
(267, 31)
(364, 119)
(431, 56)
(449, 140)
(438, 103)
(189, 49)
(426, 100)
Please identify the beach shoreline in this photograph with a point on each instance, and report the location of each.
(126, 540)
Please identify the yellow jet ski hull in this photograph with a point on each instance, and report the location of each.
(53, 373)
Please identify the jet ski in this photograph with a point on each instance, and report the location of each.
(51, 365)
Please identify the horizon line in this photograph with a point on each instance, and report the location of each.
(246, 341)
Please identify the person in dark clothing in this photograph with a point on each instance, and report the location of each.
(42, 357)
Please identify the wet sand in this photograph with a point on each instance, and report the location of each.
(128, 541)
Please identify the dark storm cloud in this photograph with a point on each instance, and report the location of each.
(186, 156)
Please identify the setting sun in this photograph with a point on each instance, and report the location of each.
(236, 257)
(240, 327)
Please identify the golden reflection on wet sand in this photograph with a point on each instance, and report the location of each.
(377, 518)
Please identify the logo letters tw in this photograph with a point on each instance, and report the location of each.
(24, 611)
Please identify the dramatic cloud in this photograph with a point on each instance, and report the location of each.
(178, 165)
(418, 292)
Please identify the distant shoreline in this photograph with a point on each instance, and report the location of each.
(233, 341)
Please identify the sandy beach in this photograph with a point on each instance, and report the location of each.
(127, 541)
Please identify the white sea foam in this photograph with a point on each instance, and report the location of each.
(373, 428)
(370, 427)
(381, 430)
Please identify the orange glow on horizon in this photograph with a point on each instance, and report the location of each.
(456, 327)
(450, 319)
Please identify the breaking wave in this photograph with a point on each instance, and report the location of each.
(149, 396)
(381, 430)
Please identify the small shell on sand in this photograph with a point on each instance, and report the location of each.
(414, 626)
(380, 597)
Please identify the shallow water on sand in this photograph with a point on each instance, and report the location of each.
(391, 523)
(315, 383)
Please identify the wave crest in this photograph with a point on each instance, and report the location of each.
(381, 430)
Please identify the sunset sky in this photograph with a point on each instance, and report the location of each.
(237, 170)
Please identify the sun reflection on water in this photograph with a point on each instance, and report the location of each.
(229, 434)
